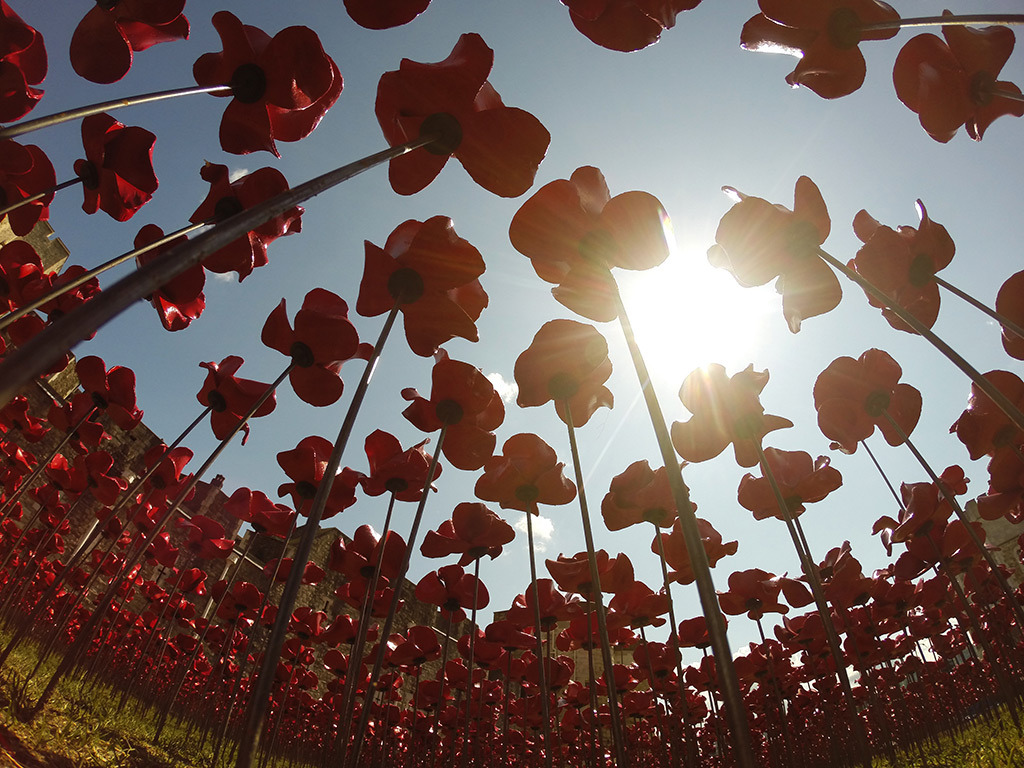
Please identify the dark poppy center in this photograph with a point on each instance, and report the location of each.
(654, 514)
(302, 355)
(1004, 435)
(451, 605)
(922, 270)
(449, 412)
(98, 400)
(216, 401)
(844, 28)
(3, 198)
(747, 427)
(88, 173)
(802, 239)
(227, 207)
(107, 5)
(405, 285)
(562, 386)
(793, 503)
(305, 489)
(248, 83)
(157, 482)
(446, 130)
(476, 552)
(5, 287)
(598, 247)
(396, 484)
(876, 403)
(981, 88)
(527, 493)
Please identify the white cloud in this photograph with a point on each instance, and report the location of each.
(543, 530)
(238, 173)
(508, 390)
(223, 277)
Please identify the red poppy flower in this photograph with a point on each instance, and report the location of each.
(104, 41)
(473, 531)
(403, 473)
(823, 35)
(281, 86)
(677, 556)
(902, 263)
(1010, 304)
(801, 481)
(953, 83)
(65, 416)
(305, 465)
(758, 242)
(432, 273)
(754, 592)
(27, 328)
(25, 171)
(554, 607)
(384, 14)
(323, 338)
(205, 539)
(640, 606)
(1005, 497)
(526, 474)
(574, 232)
(852, 397)
(88, 473)
(357, 558)
(625, 25)
(72, 299)
(22, 65)
(117, 173)
(572, 574)
(725, 410)
(112, 391)
(165, 480)
(983, 427)
(639, 495)
(15, 415)
(463, 400)
(231, 397)
(566, 362)
(948, 546)
(420, 647)
(453, 590)
(181, 300)
(21, 275)
(500, 147)
(256, 508)
(280, 569)
(227, 198)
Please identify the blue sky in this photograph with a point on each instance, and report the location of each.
(679, 120)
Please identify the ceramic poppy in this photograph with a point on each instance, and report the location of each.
(22, 65)
(230, 397)
(525, 475)
(500, 147)
(181, 300)
(25, 171)
(117, 172)
(625, 25)
(281, 87)
(384, 14)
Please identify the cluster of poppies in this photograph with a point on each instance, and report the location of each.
(105, 563)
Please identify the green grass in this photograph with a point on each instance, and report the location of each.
(984, 744)
(83, 730)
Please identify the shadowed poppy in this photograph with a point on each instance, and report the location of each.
(322, 339)
(281, 86)
(358, 557)
(852, 397)
(112, 391)
(725, 410)
(25, 171)
(384, 14)
(554, 607)
(823, 35)
(256, 508)
(21, 275)
(227, 198)
(758, 242)
(566, 362)
(453, 590)
(117, 172)
(432, 273)
(22, 65)
(801, 481)
(526, 475)
(639, 495)
(305, 465)
(392, 470)
(108, 35)
(572, 574)
(90, 472)
(205, 539)
(72, 299)
(15, 416)
(463, 401)
(953, 82)
(983, 427)
(901, 263)
(923, 508)
(640, 606)
(500, 147)
(574, 232)
(1010, 304)
(165, 480)
(625, 25)
(754, 592)
(677, 556)
(1005, 497)
(230, 397)
(473, 531)
(181, 300)
(419, 647)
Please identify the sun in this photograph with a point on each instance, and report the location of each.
(687, 314)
